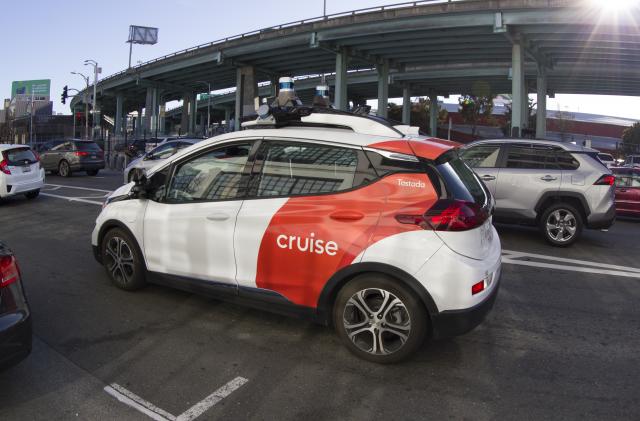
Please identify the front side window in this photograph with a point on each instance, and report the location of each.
(484, 156)
(293, 169)
(214, 175)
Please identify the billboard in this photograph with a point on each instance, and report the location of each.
(27, 87)
(142, 35)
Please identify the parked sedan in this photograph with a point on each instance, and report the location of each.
(15, 316)
(155, 156)
(627, 191)
(73, 156)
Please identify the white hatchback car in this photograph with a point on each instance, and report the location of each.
(156, 156)
(337, 217)
(20, 171)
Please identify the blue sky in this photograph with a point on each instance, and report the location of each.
(47, 39)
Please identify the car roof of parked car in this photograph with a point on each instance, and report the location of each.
(536, 142)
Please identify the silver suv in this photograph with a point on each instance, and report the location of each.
(560, 187)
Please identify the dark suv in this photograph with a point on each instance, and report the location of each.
(72, 156)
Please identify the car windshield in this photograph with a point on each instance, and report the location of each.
(605, 157)
(87, 146)
(20, 156)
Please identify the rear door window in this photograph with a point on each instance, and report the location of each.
(287, 169)
(20, 156)
(531, 158)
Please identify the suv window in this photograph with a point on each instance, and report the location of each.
(531, 158)
(297, 168)
(482, 156)
(566, 161)
(214, 175)
(87, 146)
(163, 151)
(66, 146)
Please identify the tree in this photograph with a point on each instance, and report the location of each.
(475, 108)
(631, 139)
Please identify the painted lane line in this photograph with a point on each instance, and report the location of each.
(507, 260)
(518, 254)
(72, 199)
(198, 409)
(136, 402)
(78, 188)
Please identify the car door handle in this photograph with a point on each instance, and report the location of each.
(548, 178)
(218, 217)
(487, 178)
(346, 216)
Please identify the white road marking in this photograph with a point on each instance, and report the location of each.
(136, 402)
(72, 199)
(78, 188)
(198, 409)
(512, 257)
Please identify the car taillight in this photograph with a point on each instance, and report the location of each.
(4, 167)
(448, 215)
(9, 272)
(606, 180)
(477, 288)
(81, 153)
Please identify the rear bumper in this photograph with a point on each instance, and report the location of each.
(452, 323)
(87, 166)
(602, 220)
(15, 338)
(21, 188)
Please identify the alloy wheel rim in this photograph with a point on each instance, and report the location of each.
(63, 169)
(120, 263)
(561, 225)
(376, 321)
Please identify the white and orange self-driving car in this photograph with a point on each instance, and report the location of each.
(339, 217)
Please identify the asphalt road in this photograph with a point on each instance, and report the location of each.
(561, 343)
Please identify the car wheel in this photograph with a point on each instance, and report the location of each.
(122, 260)
(92, 173)
(561, 224)
(379, 319)
(63, 169)
(32, 194)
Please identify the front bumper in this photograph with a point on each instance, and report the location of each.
(452, 323)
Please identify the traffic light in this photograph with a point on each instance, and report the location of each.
(65, 94)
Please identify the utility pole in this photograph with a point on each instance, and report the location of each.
(324, 10)
(86, 104)
(96, 71)
(31, 121)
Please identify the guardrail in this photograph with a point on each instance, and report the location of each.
(394, 6)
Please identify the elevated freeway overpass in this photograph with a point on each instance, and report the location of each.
(423, 48)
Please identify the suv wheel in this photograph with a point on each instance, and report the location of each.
(379, 320)
(561, 224)
(123, 260)
(63, 169)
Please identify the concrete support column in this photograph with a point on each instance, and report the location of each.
(525, 104)
(193, 113)
(341, 81)
(433, 113)
(517, 89)
(119, 115)
(247, 97)
(161, 118)
(406, 105)
(151, 110)
(184, 121)
(383, 89)
(541, 113)
(139, 124)
(227, 116)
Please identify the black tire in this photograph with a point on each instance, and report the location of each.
(566, 221)
(129, 272)
(64, 170)
(367, 288)
(92, 173)
(32, 194)
(131, 174)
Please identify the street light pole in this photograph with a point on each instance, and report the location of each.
(208, 104)
(96, 70)
(86, 105)
(324, 13)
